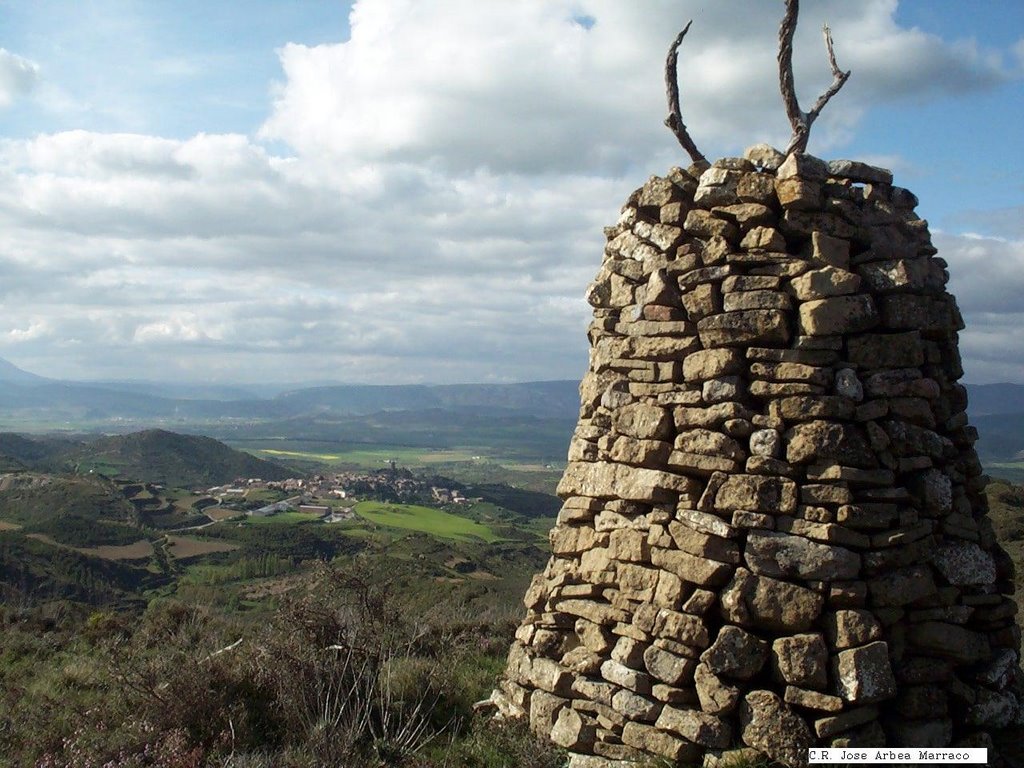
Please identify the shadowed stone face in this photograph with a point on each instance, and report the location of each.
(801, 661)
(769, 604)
(782, 555)
(773, 534)
(736, 653)
(863, 675)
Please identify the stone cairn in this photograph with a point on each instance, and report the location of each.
(773, 534)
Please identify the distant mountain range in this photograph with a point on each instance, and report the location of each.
(26, 397)
(422, 412)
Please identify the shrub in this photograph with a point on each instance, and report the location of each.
(343, 674)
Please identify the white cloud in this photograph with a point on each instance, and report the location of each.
(987, 278)
(986, 273)
(1007, 222)
(523, 87)
(179, 326)
(18, 76)
(35, 329)
(164, 250)
(439, 214)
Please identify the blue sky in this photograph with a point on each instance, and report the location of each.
(966, 136)
(170, 68)
(279, 190)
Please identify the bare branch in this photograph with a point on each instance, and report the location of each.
(797, 119)
(801, 121)
(836, 72)
(839, 79)
(674, 121)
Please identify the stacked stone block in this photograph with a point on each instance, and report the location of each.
(773, 533)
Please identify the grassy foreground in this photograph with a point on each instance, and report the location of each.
(339, 675)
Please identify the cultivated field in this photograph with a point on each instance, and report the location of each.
(220, 513)
(371, 458)
(185, 547)
(282, 518)
(426, 520)
(138, 550)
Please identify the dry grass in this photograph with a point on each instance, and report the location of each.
(184, 547)
(138, 550)
(274, 587)
(220, 513)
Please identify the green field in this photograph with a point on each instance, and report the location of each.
(99, 465)
(282, 518)
(377, 455)
(426, 520)
(366, 457)
(491, 472)
(264, 495)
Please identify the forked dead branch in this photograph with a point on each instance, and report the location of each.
(800, 121)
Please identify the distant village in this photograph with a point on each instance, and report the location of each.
(333, 496)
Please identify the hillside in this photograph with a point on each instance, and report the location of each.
(29, 452)
(988, 399)
(88, 498)
(73, 511)
(9, 372)
(32, 570)
(159, 456)
(1006, 512)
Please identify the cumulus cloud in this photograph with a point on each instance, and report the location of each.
(987, 277)
(987, 273)
(18, 76)
(525, 87)
(1005, 222)
(436, 211)
(212, 249)
(35, 329)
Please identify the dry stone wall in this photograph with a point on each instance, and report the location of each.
(773, 533)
